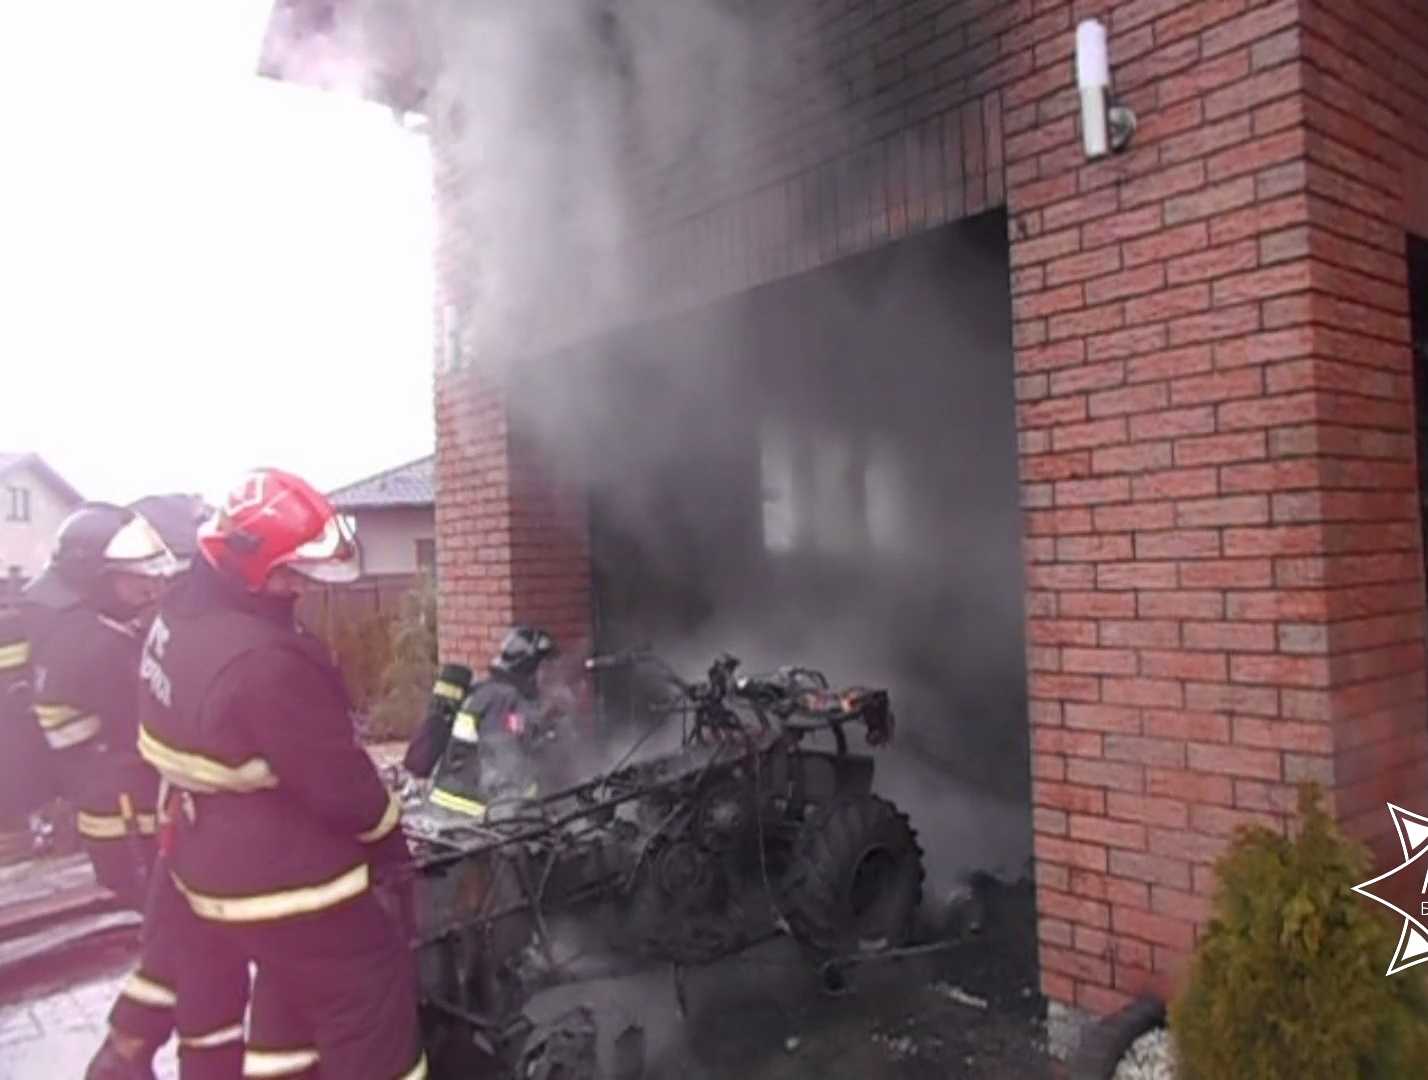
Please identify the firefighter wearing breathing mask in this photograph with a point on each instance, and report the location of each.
(284, 842)
(485, 753)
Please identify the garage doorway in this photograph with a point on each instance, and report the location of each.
(824, 472)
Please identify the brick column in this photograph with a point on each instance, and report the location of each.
(1212, 370)
(511, 548)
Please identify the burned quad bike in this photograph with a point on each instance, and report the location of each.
(745, 832)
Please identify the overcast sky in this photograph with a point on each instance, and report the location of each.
(202, 271)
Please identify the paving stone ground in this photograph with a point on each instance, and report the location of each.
(50, 1029)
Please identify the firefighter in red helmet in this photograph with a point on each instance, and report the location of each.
(282, 831)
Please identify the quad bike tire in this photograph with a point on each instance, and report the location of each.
(854, 884)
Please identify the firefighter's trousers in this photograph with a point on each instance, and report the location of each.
(188, 984)
(337, 987)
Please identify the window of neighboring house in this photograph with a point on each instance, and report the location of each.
(830, 491)
(17, 504)
(426, 554)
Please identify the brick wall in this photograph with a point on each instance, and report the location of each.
(1212, 365)
(1224, 576)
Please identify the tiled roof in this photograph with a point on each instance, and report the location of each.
(412, 484)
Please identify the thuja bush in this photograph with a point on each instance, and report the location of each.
(1288, 982)
(401, 697)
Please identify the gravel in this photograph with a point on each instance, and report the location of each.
(1150, 1057)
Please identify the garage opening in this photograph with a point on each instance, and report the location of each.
(824, 472)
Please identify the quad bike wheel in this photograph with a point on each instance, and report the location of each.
(855, 882)
(565, 1048)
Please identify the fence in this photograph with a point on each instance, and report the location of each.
(323, 610)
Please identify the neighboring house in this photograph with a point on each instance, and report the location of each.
(393, 514)
(34, 500)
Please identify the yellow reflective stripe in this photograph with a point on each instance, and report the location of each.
(222, 1037)
(277, 1062)
(56, 716)
(112, 826)
(145, 991)
(73, 732)
(447, 801)
(448, 690)
(391, 818)
(465, 728)
(278, 905)
(15, 654)
(417, 1071)
(194, 772)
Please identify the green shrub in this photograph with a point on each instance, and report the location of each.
(1288, 982)
(405, 685)
(361, 646)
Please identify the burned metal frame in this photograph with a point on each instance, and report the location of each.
(571, 852)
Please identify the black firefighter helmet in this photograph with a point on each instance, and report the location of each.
(176, 519)
(523, 651)
(95, 541)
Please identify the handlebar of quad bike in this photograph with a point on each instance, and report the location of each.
(799, 698)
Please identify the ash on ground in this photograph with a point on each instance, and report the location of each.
(973, 1011)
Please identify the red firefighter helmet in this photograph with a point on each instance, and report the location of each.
(271, 519)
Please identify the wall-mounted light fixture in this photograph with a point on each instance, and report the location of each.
(451, 349)
(1105, 128)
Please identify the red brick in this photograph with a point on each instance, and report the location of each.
(1178, 544)
(1143, 692)
(1169, 364)
(1160, 753)
(1099, 829)
(1254, 700)
(1070, 853)
(1235, 636)
(1185, 844)
(1117, 776)
(1187, 726)
(1178, 904)
(1232, 761)
(1176, 484)
(1225, 510)
(1069, 797)
(1103, 718)
(1168, 304)
(1136, 575)
(1191, 665)
(1223, 821)
(1182, 604)
(1303, 671)
(1147, 809)
(1139, 866)
(1077, 910)
(1173, 932)
(1190, 787)
(1220, 449)
(1137, 516)
(1139, 457)
(1166, 244)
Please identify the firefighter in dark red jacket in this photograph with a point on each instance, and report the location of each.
(105, 569)
(208, 1014)
(283, 830)
(80, 619)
